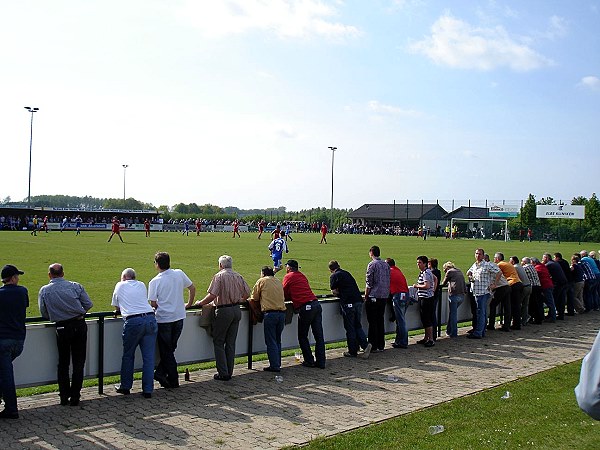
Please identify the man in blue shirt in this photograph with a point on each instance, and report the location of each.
(277, 247)
(14, 301)
(65, 303)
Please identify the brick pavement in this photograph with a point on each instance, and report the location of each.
(255, 411)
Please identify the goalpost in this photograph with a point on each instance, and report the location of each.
(503, 222)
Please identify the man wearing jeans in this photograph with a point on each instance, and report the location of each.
(165, 293)
(14, 301)
(400, 302)
(455, 280)
(343, 284)
(139, 329)
(483, 276)
(268, 292)
(66, 302)
(547, 292)
(310, 314)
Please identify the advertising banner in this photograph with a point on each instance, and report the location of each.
(503, 211)
(560, 212)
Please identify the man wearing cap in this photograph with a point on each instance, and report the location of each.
(310, 315)
(165, 293)
(14, 301)
(65, 303)
(226, 291)
(139, 329)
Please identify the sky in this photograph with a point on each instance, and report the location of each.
(236, 102)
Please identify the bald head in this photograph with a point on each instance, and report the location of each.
(56, 271)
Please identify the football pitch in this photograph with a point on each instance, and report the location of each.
(97, 264)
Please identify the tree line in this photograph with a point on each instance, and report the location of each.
(587, 229)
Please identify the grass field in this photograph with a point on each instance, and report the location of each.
(541, 413)
(97, 264)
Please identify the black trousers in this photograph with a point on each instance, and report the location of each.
(375, 313)
(71, 339)
(502, 297)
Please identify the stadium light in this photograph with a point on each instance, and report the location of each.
(333, 149)
(125, 166)
(31, 110)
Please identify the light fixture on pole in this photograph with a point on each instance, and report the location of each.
(333, 149)
(125, 166)
(31, 110)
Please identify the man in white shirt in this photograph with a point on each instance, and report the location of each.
(165, 293)
(139, 329)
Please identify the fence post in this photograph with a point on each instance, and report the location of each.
(101, 355)
(250, 337)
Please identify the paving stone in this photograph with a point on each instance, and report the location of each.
(252, 411)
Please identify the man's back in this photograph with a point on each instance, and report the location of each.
(556, 272)
(62, 300)
(344, 282)
(297, 289)
(166, 288)
(378, 278)
(14, 301)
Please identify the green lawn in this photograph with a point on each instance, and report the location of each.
(97, 264)
(541, 413)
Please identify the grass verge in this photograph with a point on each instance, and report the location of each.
(541, 413)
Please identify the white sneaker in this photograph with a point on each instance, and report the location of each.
(367, 352)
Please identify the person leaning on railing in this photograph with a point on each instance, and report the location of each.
(65, 303)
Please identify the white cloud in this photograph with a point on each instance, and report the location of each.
(590, 82)
(287, 132)
(456, 43)
(558, 27)
(381, 108)
(285, 18)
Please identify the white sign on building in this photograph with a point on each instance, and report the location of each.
(560, 212)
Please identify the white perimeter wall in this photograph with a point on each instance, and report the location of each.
(37, 364)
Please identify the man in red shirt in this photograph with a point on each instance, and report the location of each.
(198, 224)
(261, 228)
(547, 291)
(400, 302)
(236, 228)
(146, 227)
(116, 228)
(297, 290)
(323, 233)
(276, 233)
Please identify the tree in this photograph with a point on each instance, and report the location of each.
(528, 211)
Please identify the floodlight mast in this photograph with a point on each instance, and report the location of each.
(333, 149)
(125, 166)
(31, 110)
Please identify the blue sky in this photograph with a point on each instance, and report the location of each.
(236, 102)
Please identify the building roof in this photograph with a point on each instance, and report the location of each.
(468, 212)
(398, 211)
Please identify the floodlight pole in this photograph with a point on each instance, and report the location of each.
(31, 110)
(333, 149)
(125, 166)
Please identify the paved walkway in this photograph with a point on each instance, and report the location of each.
(255, 411)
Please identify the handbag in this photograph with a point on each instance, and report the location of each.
(207, 317)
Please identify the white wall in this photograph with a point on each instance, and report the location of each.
(37, 363)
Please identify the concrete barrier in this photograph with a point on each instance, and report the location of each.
(37, 364)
